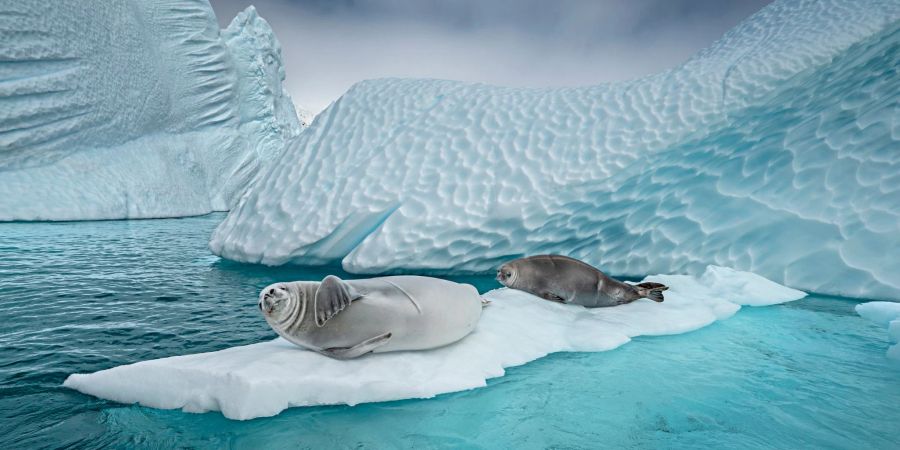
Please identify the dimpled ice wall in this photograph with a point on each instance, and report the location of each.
(773, 151)
(134, 109)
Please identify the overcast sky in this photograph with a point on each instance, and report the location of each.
(330, 44)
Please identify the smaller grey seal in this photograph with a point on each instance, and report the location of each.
(567, 280)
(347, 319)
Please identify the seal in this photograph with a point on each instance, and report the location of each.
(347, 319)
(567, 280)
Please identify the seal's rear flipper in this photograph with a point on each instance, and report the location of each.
(357, 350)
(653, 291)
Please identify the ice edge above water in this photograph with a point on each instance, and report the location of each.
(266, 378)
(885, 314)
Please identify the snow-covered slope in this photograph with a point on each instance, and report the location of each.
(134, 108)
(775, 151)
(263, 379)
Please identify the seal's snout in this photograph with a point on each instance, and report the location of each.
(504, 275)
(265, 303)
(270, 298)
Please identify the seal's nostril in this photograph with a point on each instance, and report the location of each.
(260, 305)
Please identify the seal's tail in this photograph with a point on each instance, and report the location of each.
(653, 291)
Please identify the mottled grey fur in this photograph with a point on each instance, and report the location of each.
(567, 280)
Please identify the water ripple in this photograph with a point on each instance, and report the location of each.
(81, 297)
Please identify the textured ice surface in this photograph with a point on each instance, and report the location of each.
(134, 108)
(264, 379)
(885, 314)
(774, 151)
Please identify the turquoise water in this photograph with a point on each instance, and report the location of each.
(80, 297)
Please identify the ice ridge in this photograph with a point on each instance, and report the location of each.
(134, 109)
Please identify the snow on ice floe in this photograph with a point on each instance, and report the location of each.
(772, 151)
(885, 314)
(134, 109)
(266, 378)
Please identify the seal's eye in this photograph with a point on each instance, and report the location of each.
(508, 273)
(271, 291)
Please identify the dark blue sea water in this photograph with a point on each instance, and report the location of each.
(85, 296)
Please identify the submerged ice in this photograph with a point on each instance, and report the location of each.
(134, 109)
(265, 378)
(773, 151)
(887, 315)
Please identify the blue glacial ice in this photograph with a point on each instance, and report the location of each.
(134, 109)
(775, 151)
(264, 379)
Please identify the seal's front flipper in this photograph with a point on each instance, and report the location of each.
(357, 350)
(653, 291)
(552, 297)
(332, 297)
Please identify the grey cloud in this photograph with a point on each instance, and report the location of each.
(329, 45)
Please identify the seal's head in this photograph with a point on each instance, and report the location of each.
(507, 274)
(282, 304)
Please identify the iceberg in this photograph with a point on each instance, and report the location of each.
(265, 378)
(134, 109)
(772, 151)
(887, 315)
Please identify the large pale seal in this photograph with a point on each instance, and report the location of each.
(347, 319)
(566, 280)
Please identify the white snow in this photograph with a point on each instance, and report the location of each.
(885, 314)
(134, 109)
(772, 151)
(264, 379)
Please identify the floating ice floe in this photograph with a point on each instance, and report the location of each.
(264, 379)
(772, 151)
(134, 109)
(886, 314)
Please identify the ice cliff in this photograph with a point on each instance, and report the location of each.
(775, 151)
(265, 378)
(134, 109)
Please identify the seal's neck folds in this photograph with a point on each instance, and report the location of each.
(301, 294)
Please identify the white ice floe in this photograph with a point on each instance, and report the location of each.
(264, 379)
(773, 151)
(885, 314)
(134, 109)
